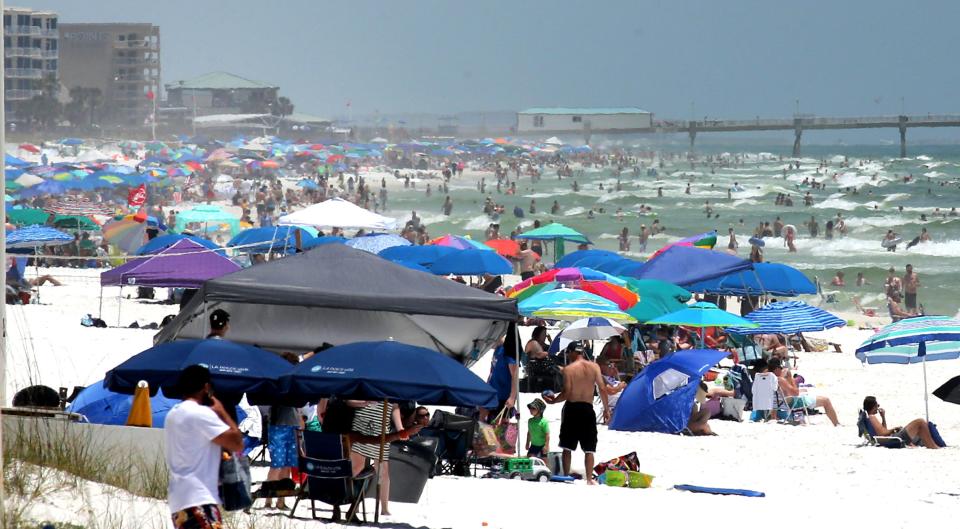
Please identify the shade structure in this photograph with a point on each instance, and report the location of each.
(182, 264)
(703, 314)
(338, 212)
(75, 222)
(623, 297)
(458, 242)
(766, 278)
(102, 406)
(790, 317)
(568, 305)
(388, 370)
(207, 216)
(27, 216)
(504, 247)
(564, 275)
(340, 295)
(657, 298)
(683, 265)
(592, 329)
(555, 231)
(421, 255)
(472, 262)
(29, 180)
(704, 240)
(377, 242)
(35, 236)
(269, 239)
(77, 206)
(590, 258)
(660, 398)
(911, 341)
(949, 391)
(235, 368)
(163, 241)
(127, 235)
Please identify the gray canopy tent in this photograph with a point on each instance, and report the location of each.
(340, 295)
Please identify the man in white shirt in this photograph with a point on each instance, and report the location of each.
(197, 430)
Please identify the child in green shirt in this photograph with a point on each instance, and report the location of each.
(538, 430)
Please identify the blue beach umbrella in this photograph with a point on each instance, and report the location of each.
(308, 184)
(388, 370)
(235, 368)
(320, 241)
(34, 236)
(377, 242)
(159, 243)
(421, 255)
(790, 317)
(471, 262)
(568, 304)
(913, 340)
(269, 239)
(102, 406)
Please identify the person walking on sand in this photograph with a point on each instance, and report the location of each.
(578, 423)
(196, 431)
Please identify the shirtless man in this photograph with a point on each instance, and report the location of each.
(790, 389)
(910, 284)
(528, 258)
(578, 424)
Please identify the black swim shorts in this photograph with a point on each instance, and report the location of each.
(578, 425)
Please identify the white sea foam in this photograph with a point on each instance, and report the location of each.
(574, 211)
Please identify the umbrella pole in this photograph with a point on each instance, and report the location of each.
(383, 441)
(926, 399)
(119, 299)
(36, 265)
(100, 309)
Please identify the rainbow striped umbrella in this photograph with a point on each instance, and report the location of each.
(704, 240)
(460, 243)
(126, 234)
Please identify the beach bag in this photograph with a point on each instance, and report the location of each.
(484, 440)
(235, 482)
(506, 433)
(626, 462)
(935, 434)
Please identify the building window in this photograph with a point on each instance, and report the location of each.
(52, 23)
(52, 65)
(577, 119)
(23, 20)
(23, 42)
(6, 20)
(538, 121)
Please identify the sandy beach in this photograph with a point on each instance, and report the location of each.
(811, 474)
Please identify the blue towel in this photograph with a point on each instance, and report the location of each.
(728, 492)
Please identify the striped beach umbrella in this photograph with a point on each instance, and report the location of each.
(913, 340)
(377, 242)
(789, 317)
(35, 236)
(569, 305)
(593, 329)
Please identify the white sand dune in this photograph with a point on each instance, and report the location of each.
(812, 474)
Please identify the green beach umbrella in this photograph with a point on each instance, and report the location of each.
(657, 298)
(27, 216)
(559, 234)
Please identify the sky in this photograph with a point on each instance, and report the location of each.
(676, 58)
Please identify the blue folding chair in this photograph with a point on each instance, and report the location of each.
(867, 431)
(325, 460)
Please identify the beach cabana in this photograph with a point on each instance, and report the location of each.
(339, 295)
(340, 213)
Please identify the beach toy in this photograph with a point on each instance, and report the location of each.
(715, 490)
(639, 480)
(615, 478)
(851, 323)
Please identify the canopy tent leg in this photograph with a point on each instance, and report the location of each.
(926, 398)
(383, 441)
(119, 299)
(100, 308)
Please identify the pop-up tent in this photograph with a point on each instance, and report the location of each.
(182, 264)
(660, 398)
(338, 212)
(340, 295)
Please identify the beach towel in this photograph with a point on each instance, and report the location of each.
(721, 491)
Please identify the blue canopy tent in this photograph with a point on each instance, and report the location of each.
(660, 398)
(684, 265)
(102, 406)
(767, 278)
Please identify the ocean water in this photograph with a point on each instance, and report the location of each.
(875, 171)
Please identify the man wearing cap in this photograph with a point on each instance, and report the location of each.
(219, 324)
(578, 424)
(196, 431)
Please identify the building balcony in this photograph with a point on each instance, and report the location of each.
(50, 54)
(23, 52)
(50, 33)
(19, 94)
(24, 73)
(23, 30)
(136, 61)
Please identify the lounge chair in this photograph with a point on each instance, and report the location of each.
(869, 434)
(325, 460)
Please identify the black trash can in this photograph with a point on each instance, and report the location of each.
(411, 463)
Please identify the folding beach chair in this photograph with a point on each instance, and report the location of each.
(791, 410)
(325, 460)
(869, 434)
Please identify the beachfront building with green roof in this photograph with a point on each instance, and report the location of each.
(558, 120)
(222, 93)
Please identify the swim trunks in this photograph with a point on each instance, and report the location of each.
(199, 517)
(578, 425)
